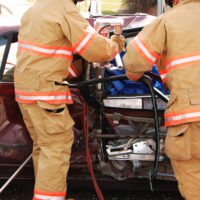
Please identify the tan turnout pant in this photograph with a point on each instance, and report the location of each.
(52, 137)
(182, 145)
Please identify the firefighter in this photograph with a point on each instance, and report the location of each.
(51, 32)
(172, 43)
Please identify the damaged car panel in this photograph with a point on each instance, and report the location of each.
(121, 130)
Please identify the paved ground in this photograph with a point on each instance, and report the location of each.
(21, 191)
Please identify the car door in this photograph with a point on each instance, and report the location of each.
(15, 143)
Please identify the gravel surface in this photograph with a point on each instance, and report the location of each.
(16, 191)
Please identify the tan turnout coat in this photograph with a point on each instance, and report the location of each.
(51, 32)
(46, 48)
(172, 42)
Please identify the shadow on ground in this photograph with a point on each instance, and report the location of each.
(23, 191)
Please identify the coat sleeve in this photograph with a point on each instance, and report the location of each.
(145, 49)
(85, 40)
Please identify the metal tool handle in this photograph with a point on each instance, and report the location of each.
(15, 173)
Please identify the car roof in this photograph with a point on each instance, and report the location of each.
(8, 28)
(130, 21)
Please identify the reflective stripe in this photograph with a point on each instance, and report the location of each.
(43, 98)
(58, 194)
(163, 75)
(44, 50)
(73, 72)
(83, 43)
(50, 97)
(180, 61)
(144, 50)
(180, 117)
(114, 52)
(44, 197)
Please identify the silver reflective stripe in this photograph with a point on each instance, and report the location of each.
(91, 29)
(163, 76)
(181, 117)
(44, 197)
(47, 98)
(84, 41)
(183, 60)
(72, 72)
(43, 50)
(143, 48)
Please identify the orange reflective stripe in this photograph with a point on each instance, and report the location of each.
(155, 55)
(50, 193)
(183, 60)
(46, 46)
(73, 72)
(182, 112)
(24, 101)
(175, 118)
(41, 195)
(80, 40)
(84, 42)
(44, 50)
(45, 54)
(50, 97)
(144, 50)
(180, 61)
(163, 75)
(177, 122)
(67, 101)
(42, 93)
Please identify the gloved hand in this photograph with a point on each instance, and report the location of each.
(120, 40)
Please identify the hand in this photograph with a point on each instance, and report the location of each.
(120, 40)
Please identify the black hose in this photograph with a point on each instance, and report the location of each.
(147, 80)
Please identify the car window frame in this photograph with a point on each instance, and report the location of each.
(11, 37)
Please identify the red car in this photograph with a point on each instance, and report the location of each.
(121, 135)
